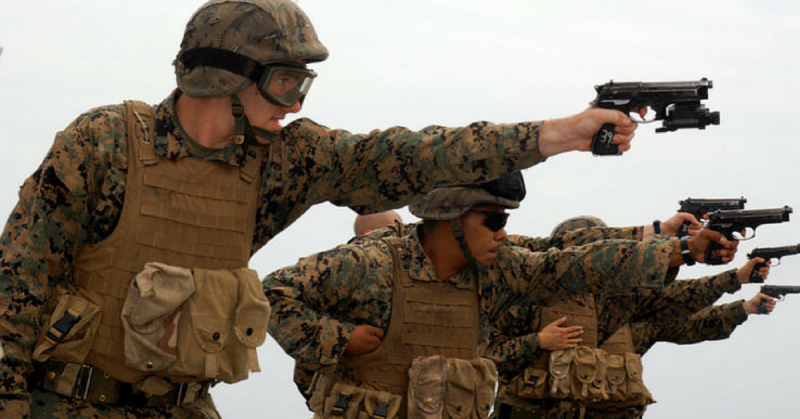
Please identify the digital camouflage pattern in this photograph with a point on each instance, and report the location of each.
(51, 405)
(711, 323)
(318, 302)
(451, 202)
(513, 352)
(266, 31)
(74, 198)
(577, 223)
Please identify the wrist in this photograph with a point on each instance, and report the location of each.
(685, 253)
(656, 226)
(555, 138)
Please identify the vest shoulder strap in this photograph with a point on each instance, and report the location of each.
(140, 119)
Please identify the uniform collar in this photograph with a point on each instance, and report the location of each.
(173, 143)
(420, 267)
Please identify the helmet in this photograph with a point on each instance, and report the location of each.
(449, 202)
(577, 223)
(260, 31)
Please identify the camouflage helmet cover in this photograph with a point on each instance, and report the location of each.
(267, 31)
(577, 223)
(447, 203)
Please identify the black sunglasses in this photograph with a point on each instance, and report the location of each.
(494, 221)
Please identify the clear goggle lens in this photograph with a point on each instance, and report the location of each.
(285, 85)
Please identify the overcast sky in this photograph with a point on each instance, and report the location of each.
(416, 63)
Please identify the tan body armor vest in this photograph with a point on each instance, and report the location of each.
(607, 376)
(191, 213)
(624, 369)
(428, 319)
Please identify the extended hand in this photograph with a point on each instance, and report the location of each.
(575, 132)
(699, 244)
(670, 227)
(364, 340)
(751, 305)
(743, 273)
(554, 337)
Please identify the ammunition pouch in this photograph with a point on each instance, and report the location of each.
(69, 323)
(351, 402)
(575, 374)
(200, 323)
(625, 381)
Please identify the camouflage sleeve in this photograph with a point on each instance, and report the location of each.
(603, 266)
(61, 207)
(676, 300)
(318, 302)
(514, 340)
(388, 169)
(711, 323)
(575, 238)
(684, 297)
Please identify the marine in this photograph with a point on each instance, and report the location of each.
(345, 312)
(193, 187)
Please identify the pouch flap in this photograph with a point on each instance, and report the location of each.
(427, 384)
(461, 381)
(253, 311)
(585, 364)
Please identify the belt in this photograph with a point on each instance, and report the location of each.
(545, 408)
(85, 382)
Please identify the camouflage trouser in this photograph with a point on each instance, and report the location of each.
(46, 404)
(551, 411)
(634, 412)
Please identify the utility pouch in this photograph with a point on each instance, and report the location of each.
(636, 387)
(487, 381)
(460, 393)
(426, 387)
(531, 383)
(68, 330)
(560, 362)
(617, 377)
(151, 314)
(350, 402)
(380, 405)
(470, 388)
(224, 321)
(343, 401)
(584, 372)
(598, 390)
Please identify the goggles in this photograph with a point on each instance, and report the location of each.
(494, 220)
(282, 84)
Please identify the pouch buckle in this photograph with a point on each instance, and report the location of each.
(340, 406)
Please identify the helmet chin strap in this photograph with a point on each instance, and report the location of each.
(462, 243)
(243, 132)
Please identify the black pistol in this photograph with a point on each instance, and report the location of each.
(776, 291)
(702, 206)
(769, 253)
(732, 222)
(676, 103)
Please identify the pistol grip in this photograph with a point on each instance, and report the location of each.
(712, 254)
(683, 230)
(601, 142)
(762, 306)
(755, 278)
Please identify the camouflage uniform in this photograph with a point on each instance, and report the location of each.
(318, 302)
(303, 374)
(678, 299)
(711, 323)
(75, 197)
